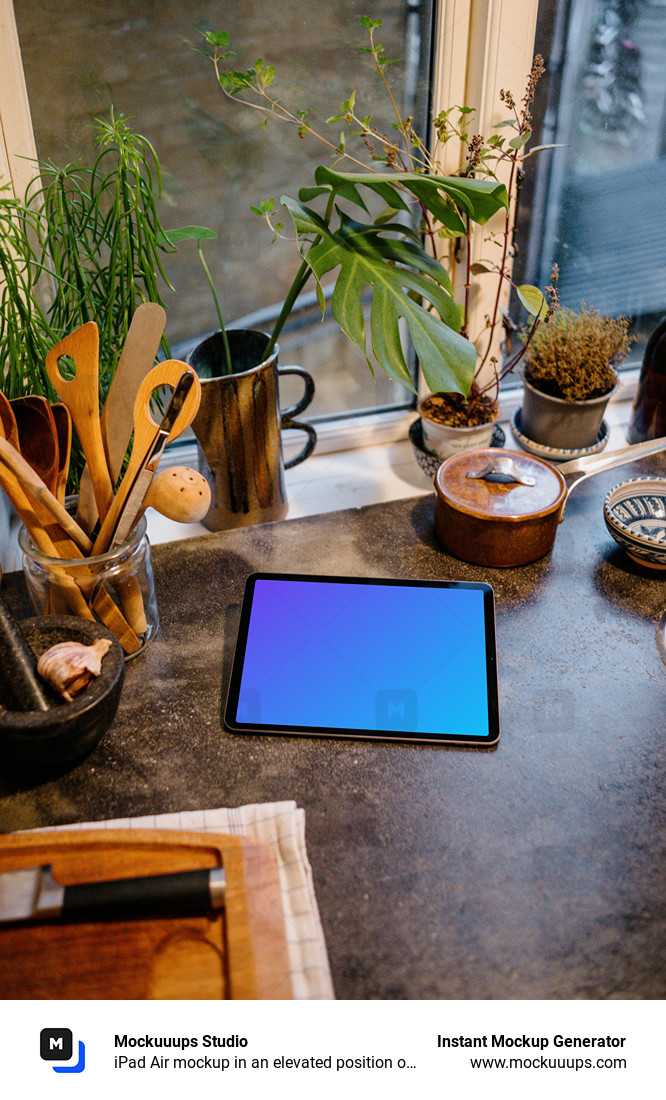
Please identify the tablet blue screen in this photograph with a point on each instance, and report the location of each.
(367, 657)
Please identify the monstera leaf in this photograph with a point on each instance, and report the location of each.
(406, 285)
(446, 198)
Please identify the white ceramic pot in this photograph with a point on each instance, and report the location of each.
(444, 440)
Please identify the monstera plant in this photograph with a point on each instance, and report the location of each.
(384, 230)
(407, 284)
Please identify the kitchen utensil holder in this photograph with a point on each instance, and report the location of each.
(116, 588)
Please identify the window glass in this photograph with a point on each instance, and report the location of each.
(81, 57)
(595, 208)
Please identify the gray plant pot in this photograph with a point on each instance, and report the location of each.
(565, 425)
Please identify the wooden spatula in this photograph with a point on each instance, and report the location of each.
(117, 420)
(81, 396)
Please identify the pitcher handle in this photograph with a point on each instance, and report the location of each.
(309, 445)
(305, 400)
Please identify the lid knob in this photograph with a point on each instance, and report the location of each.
(505, 466)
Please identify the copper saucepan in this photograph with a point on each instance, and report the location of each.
(502, 508)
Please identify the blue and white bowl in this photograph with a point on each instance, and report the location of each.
(635, 515)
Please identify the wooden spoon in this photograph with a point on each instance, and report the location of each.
(8, 425)
(81, 396)
(38, 438)
(49, 537)
(32, 516)
(63, 423)
(30, 480)
(8, 481)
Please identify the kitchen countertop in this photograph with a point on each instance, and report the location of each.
(535, 870)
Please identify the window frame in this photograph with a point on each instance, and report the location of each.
(17, 142)
(478, 47)
(482, 48)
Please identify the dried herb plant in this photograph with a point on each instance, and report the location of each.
(573, 356)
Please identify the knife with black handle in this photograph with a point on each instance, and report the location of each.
(33, 894)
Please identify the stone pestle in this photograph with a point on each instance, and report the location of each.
(19, 665)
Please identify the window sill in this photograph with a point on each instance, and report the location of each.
(334, 480)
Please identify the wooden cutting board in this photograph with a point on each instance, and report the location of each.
(242, 953)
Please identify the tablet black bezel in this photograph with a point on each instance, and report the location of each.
(232, 725)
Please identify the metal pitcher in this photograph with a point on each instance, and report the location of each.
(238, 428)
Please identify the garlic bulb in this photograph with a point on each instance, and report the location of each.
(70, 666)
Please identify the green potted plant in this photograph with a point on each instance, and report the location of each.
(389, 227)
(569, 376)
(84, 244)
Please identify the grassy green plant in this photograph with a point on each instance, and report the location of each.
(400, 252)
(574, 355)
(84, 244)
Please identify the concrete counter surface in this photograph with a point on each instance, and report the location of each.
(535, 870)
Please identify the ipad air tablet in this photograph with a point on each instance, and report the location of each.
(366, 658)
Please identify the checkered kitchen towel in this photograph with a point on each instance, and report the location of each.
(282, 826)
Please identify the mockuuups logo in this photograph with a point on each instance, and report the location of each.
(396, 709)
(56, 1044)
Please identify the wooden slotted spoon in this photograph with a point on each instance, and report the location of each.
(81, 396)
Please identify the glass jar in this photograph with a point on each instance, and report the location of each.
(116, 588)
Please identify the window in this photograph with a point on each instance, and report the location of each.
(595, 207)
(82, 57)
(144, 59)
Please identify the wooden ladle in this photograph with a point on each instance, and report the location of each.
(38, 437)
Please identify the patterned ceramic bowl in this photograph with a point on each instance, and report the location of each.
(635, 515)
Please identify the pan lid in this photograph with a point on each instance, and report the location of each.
(500, 485)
